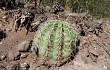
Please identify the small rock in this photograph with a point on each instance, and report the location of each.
(16, 67)
(86, 52)
(98, 21)
(0, 43)
(17, 55)
(34, 49)
(14, 56)
(85, 55)
(24, 55)
(11, 56)
(93, 57)
(94, 52)
(2, 67)
(3, 57)
(24, 46)
(13, 66)
(24, 66)
(4, 17)
(105, 67)
(8, 30)
(36, 23)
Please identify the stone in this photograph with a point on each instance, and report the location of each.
(24, 66)
(85, 55)
(34, 49)
(11, 56)
(36, 23)
(13, 66)
(24, 55)
(16, 67)
(14, 56)
(24, 46)
(94, 52)
(2, 67)
(3, 57)
(1, 43)
(8, 29)
(17, 55)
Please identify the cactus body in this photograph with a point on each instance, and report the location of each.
(55, 41)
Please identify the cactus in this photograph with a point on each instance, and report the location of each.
(55, 41)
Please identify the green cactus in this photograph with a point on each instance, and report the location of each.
(55, 41)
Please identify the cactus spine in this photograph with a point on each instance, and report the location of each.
(55, 41)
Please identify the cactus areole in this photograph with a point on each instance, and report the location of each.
(55, 41)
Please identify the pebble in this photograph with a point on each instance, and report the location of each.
(36, 23)
(2, 67)
(24, 55)
(93, 51)
(3, 57)
(34, 49)
(0, 43)
(16, 67)
(17, 55)
(85, 55)
(24, 66)
(8, 30)
(93, 54)
(13, 66)
(13, 56)
(24, 46)
(4, 17)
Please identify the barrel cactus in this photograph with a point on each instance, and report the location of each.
(55, 41)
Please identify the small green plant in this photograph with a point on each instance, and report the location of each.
(55, 41)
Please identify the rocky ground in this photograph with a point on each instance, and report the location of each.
(93, 54)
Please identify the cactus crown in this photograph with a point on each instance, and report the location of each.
(55, 41)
